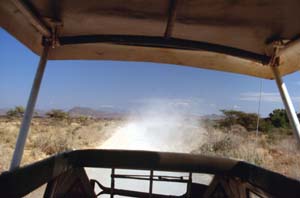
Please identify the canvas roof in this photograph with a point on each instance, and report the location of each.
(227, 35)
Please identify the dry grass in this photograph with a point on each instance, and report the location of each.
(277, 152)
(50, 136)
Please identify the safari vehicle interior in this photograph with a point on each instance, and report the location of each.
(249, 37)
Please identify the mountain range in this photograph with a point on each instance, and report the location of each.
(104, 113)
(96, 113)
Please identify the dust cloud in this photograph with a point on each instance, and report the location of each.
(158, 127)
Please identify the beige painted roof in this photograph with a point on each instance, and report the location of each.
(227, 35)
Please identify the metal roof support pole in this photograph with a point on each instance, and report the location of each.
(289, 107)
(19, 148)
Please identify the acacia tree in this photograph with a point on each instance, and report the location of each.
(279, 118)
(58, 114)
(18, 111)
(232, 117)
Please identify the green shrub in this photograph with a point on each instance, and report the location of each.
(233, 117)
(57, 114)
(18, 111)
(265, 125)
(279, 118)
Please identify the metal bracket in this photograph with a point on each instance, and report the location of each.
(55, 26)
(53, 39)
(275, 58)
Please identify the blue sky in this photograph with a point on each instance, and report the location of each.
(130, 85)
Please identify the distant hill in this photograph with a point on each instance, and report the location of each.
(3, 111)
(107, 113)
(96, 113)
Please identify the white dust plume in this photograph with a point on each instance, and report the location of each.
(158, 127)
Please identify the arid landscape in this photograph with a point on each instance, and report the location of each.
(49, 136)
(58, 131)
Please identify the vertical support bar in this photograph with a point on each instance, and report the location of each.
(112, 183)
(189, 185)
(151, 184)
(19, 149)
(289, 107)
(258, 109)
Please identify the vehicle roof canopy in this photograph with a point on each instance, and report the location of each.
(227, 35)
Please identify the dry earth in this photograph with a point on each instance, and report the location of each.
(49, 136)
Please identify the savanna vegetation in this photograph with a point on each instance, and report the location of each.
(250, 121)
(233, 136)
(273, 146)
(55, 132)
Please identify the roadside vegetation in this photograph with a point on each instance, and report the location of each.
(233, 135)
(55, 132)
(276, 120)
(58, 114)
(273, 147)
(18, 111)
